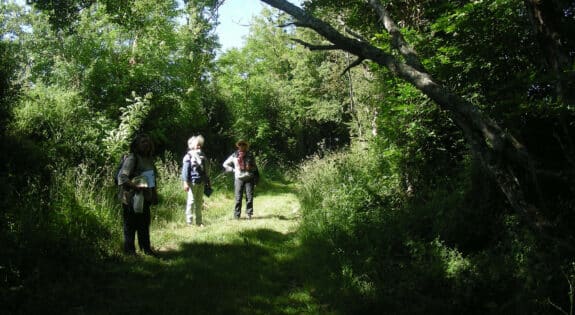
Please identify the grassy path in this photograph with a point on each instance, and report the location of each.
(227, 267)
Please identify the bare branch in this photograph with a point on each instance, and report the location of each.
(355, 34)
(356, 63)
(315, 47)
(288, 25)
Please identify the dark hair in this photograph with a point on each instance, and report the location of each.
(137, 139)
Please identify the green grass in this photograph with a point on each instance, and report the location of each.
(227, 267)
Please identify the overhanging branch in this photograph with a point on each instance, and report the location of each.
(356, 63)
(398, 41)
(315, 47)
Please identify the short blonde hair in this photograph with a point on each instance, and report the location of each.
(200, 140)
(195, 141)
(192, 143)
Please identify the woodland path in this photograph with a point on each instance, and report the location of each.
(226, 267)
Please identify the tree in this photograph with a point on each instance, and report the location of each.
(494, 147)
(282, 97)
(106, 50)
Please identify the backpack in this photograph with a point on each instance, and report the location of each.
(196, 172)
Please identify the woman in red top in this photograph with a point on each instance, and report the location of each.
(246, 176)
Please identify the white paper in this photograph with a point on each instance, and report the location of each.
(151, 178)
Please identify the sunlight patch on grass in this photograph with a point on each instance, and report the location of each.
(273, 212)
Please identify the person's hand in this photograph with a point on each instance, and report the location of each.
(186, 187)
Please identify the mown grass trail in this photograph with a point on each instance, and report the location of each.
(227, 267)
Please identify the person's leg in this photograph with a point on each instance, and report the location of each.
(198, 203)
(129, 229)
(238, 192)
(249, 187)
(189, 203)
(143, 228)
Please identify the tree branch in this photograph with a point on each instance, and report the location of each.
(287, 25)
(357, 62)
(315, 47)
(398, 41)
(355, 34)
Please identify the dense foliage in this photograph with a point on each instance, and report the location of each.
(397, 210)
(272, 89)
(436, 235)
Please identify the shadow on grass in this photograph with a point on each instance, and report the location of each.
(251, 276)
(274, 216)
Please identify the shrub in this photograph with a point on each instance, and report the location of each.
(446, 250)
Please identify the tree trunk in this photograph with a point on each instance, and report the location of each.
(546, 17)
(546, 20)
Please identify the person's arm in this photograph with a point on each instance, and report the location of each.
(185, 170)
(229, 164)
(127, 171)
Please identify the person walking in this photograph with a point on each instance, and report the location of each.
(246, 176)
(138, 192)
(195, 178)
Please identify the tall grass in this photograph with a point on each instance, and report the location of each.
(378, 250)
(363, 245)
(344, 204)
(69, 236)
(63, 227)
(60, 230)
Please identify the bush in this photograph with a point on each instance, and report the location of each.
(59, 231)
(446, 250)
(62, 124)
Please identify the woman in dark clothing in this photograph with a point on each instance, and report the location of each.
(137, 179)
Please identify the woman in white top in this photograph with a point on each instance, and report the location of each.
(246, 176)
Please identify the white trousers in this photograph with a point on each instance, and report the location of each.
(195, 203)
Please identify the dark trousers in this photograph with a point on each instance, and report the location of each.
(241, 187)
(136, 223)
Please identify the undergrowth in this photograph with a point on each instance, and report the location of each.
(380, 249)
(364, 245)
